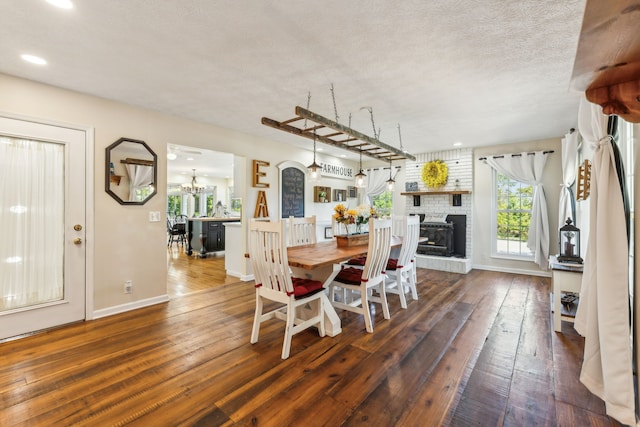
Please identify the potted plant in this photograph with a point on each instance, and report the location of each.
(322, 195)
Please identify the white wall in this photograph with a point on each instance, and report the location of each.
(482, 188)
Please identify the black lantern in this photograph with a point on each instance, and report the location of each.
(569, 240)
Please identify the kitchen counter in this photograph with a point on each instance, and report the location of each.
(206, 235)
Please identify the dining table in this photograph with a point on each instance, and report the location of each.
(320, 258)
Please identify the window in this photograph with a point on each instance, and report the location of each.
(511, 217)
(383, 203)
(174, 204)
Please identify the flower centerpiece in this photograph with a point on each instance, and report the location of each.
(435, 173)
(358, 217)
(344, 216)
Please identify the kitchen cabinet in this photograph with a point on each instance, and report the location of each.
(206, 235)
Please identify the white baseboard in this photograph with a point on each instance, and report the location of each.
(117, 309)
(513, 270)
(242, 277)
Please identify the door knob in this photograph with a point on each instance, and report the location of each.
(77, 227)
(77, 240)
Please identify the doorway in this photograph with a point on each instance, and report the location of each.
(200, 182)
(43, 209)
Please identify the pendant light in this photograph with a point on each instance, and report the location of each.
(390, 181)
(360, 175)
(314, 168)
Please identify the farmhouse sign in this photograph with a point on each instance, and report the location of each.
(337, 171)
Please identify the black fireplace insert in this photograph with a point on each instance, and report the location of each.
(444, 238)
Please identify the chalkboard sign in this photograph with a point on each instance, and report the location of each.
(292, 192)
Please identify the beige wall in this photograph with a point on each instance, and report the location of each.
(126, 245)
(482, 187)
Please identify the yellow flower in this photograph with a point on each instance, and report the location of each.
(435, 173)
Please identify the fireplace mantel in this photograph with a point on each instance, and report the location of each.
(434, 193)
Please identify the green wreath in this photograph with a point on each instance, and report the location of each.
(435, 173)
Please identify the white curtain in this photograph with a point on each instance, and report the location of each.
(528, 168)
(566, 207)
(140, 176)
(376, 183)
(603, 312)
(32, 217)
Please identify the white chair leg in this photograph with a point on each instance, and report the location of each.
(414, 274)
(400, 287)
(288, 332)
(383, 301)
(364, 298)
(255, 332)
(412, 285)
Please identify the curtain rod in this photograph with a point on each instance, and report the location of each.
(383, 168)
(515, 155)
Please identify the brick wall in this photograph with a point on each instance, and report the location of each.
(460, 164)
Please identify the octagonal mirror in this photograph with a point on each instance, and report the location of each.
(131, 171)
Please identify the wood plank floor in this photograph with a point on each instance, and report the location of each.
(475, 349)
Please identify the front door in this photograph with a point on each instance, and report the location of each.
(42, 215)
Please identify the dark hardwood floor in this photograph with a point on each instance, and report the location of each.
(475, 349)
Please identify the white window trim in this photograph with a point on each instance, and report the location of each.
(494, 226)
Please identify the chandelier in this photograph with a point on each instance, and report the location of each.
(193, 188)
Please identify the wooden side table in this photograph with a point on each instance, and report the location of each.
(565, 278)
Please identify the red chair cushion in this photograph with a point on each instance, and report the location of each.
(350, 275)
(361, 260)
(305, 287)
(392, 264)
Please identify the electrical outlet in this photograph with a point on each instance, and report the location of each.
(128, 287)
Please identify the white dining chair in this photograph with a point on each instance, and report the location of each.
(268, 255)
(302, 231)
(400, 271)
(362, 281)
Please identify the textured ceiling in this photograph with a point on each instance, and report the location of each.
(478, 72)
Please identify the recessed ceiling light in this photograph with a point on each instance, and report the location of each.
(62, 4)
(189, 158)
(343, 155)
(33, 59)
(172, 156)
(457, 144)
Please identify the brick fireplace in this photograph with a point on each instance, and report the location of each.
(459, 214)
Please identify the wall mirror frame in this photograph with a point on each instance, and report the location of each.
(131, 171)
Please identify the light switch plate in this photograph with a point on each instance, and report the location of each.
(154, 216)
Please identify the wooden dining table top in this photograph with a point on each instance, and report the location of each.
(322, 254)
